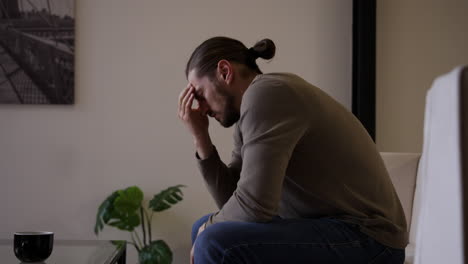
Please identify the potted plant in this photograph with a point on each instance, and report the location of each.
(124, 210)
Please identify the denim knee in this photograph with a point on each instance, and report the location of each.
(197, 225)
(209, 246)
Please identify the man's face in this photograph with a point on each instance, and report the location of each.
(214, 99)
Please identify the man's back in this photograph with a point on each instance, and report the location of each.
(334, 169)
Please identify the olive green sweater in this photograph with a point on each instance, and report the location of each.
(300, 154)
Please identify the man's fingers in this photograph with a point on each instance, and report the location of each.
(189, 103)
(192, 257)
(183, 100)
(183, 108)
(182, 95)
(184, 92)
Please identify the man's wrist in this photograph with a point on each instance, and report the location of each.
(203, 138)
(204, 146)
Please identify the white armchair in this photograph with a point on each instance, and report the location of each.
(430, 185)
(403, 168)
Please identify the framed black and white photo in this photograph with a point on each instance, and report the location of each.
(37, 51)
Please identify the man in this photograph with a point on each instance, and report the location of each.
(306, 183)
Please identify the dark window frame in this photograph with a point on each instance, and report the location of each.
(363, 68)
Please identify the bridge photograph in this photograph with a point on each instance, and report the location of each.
(37, 40)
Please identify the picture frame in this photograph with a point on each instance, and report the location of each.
(37, 51)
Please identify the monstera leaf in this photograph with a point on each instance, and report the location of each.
(157, 252)
(120, 210)
(166, 198)
(104, 212)
(126, 222)
(129, 200)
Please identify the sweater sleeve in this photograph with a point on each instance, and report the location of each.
(221, 179)
(272, 123)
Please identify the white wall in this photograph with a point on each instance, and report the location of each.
(57, 163)
(417, 41)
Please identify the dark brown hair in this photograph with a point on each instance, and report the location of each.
(205, 57)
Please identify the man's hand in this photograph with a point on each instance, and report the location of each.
(202, 227)
(195, 120)
(192, 260)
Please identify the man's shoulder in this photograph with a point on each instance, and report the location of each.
(271, 97)
(276, 79)
(270, 88)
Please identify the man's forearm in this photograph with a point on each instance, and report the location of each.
(204, 146)
(221, 180)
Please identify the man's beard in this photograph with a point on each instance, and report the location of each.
(230, 115)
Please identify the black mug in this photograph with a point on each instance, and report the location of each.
(33, 246)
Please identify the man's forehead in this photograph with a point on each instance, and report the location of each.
(198, 83)
(198, 88)
(193, 80)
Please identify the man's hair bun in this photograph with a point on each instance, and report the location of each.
(264, 49)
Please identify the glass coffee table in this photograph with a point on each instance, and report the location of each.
(73, 252)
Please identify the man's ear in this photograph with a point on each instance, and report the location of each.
(225, 71)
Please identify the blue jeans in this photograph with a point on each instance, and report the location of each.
(295, 241)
